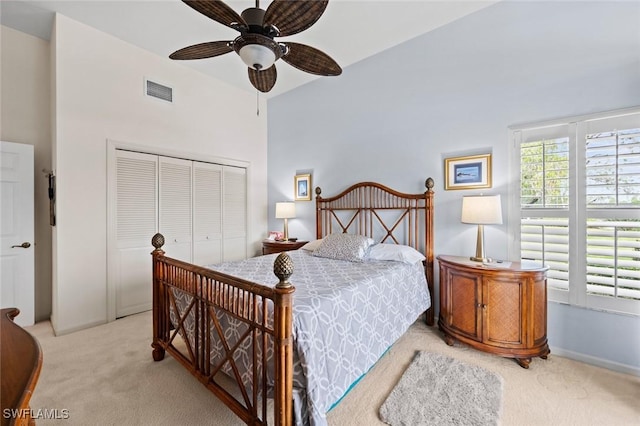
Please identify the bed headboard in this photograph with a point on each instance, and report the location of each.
(386, 215)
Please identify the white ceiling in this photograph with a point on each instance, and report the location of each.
(348, 31)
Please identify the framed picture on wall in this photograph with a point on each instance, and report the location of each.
(302, 187)
(470, 172)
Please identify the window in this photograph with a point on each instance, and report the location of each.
(578, 209)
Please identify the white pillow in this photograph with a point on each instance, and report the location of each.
(349, 247)
(312, 245)
(395, 252)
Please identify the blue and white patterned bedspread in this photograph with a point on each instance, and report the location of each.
(345, 316)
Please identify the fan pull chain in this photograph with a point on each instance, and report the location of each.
(257, 103)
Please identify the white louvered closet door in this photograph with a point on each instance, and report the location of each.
(175, 207)
(200, 208)
(207, 213)
(234, 216)
(136, 222)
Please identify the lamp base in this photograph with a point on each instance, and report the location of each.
(286, 229)
(481, 259)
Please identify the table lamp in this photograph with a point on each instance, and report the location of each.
(481, 210)
(286, 210)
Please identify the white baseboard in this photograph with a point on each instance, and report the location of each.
(598, 362)
(62, 332)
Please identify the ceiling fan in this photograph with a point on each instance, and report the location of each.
(256, 45)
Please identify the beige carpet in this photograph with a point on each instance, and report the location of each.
(106, 376)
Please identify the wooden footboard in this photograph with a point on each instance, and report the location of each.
(266, 311)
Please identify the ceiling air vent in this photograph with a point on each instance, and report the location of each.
(159, 91)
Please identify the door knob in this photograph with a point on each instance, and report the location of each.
(23, 245)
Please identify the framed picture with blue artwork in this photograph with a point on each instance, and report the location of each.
(470, 172)
(302, 187)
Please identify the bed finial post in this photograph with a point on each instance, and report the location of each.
(429, 184)
(318, 213)
(283, 269)
(159, 325)
(283, 319)
(157, 241)
(429, 267)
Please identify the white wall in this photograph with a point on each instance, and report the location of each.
(25, 118)
(98, 83)
(395, 117)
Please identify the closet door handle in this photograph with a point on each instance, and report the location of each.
(23, 245)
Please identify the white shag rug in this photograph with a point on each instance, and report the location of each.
(439, 390)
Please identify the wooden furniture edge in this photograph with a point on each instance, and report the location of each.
(522, 355)
(17, 346)
(271, 247)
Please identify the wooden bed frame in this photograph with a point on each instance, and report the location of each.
(363, 208)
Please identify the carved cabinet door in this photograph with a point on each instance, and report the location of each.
(503, 316)
(461, 301)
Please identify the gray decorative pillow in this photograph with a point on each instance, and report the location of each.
(349, 247)
(312, 245)
(400, 253)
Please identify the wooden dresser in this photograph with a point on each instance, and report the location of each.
(500, 309)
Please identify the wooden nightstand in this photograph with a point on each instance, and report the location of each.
(500, 309)
(269, 246)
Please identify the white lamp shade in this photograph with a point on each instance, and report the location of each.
(257, 56)
(482, 210)
(285, 210)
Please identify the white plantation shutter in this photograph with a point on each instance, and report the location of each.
(580, 208)
(546, 240)
(544, 202)
(545, 173)
(612, 181)
(613, 168)
(613, 258)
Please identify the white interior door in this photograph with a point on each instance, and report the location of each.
(207, 213)
(200, 208)
(234, 213)
(175, 208)
(17, 231)
(136, 222)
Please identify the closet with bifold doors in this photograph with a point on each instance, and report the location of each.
(199, 207)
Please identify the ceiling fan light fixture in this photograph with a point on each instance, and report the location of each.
(257, 56)
(257, 51)
(256, 45)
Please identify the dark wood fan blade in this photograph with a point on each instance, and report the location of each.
(203, 50)
(218, 11)
(263, 80)
(291, 17)
(311, 60)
